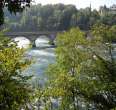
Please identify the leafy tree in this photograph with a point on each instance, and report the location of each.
(106, 32)
(15, 91)
(64, 82)
(13, 6)
(113, 33)
(84, 73)
(56, 17)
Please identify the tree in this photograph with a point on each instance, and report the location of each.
(73, 21)
(106, 32)
(56, 17)
(113, 33)
(85, 70)
(13, 6)
(15, 91)
(65, 72)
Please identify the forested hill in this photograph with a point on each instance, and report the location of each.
(55, 17)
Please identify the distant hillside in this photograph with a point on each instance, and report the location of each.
(55, 17)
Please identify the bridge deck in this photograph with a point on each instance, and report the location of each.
(31, 33)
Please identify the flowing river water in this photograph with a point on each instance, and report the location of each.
(40, 56)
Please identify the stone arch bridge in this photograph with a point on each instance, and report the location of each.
(32, 36)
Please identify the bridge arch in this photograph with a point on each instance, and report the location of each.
(42, 41)
(34, 41)
(32, 36)
(22, 41)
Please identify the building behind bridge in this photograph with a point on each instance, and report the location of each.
(104, 11)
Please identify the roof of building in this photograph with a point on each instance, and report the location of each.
(113, 7)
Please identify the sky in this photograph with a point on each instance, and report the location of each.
(79, 3)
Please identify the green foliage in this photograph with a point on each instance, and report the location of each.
(48, 17)
(15, 91)
(85, 71)
(13, 6)
(65, 72)
(55, 17)
(105, 32)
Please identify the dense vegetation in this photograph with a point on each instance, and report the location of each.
(84, 75)
(56, 17)
(15, 91)
(13, 6)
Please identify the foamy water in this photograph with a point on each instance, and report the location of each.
(22, 42)
(41, 57)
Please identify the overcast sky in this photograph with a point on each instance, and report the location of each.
(79, 3)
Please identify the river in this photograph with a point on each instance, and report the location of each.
(41, 57)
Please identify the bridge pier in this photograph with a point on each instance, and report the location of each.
(52, 39)
(51, 42)
(33, 43)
